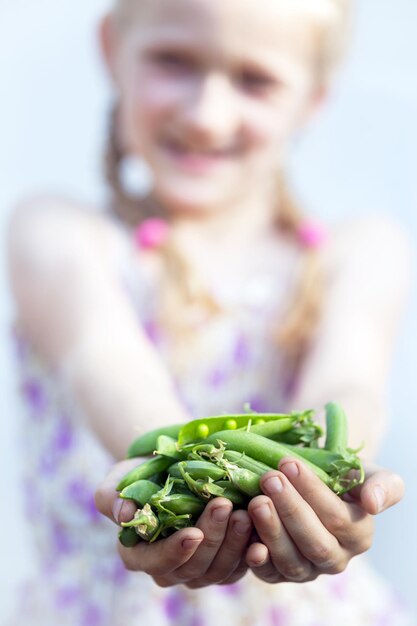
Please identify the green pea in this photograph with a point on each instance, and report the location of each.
(230, 424)
(203, 431)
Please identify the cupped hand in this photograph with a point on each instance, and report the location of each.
(212, 552)
(306, 530)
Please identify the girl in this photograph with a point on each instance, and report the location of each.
(211, 292)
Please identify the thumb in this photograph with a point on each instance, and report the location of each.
(106, 498)
(381, 489)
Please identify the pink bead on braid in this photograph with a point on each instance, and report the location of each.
(151, 233)
(311, 234)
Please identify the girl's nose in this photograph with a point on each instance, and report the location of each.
(210, 117)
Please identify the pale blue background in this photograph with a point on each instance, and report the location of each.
(359, 156)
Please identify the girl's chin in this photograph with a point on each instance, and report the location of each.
(191, 203)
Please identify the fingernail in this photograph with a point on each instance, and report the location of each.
(241, 528)
(190, 544)
(290, 470)
(220, 514)
(379, 495)
(273, 485)
(263, 513)
(258, 560)
(116, 509)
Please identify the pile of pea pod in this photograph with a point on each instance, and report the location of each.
(225, 456)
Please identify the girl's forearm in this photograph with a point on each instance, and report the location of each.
(123, 389)
(72, 306)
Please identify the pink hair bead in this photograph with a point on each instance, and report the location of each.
(311, 234)
(151, 233)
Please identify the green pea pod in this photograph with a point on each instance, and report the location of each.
(243, 479)
(179, 486)
(179, 503)
(306, 434)
(273, 428)
(200, 486)
(128, 537)
(144, 471)
(197, 469)
(336, 428)
(145, 523)
(201, 452)
(228, 491)
(208, 488)
(339, 463)
(140, 491)
(246, 462)
(167, 446)
(199, 429)
(145, 444)
(170, 522)
(264, 450)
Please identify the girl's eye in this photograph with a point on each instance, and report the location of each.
(256, 83)
(171, 61)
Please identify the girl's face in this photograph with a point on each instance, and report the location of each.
(211, 92)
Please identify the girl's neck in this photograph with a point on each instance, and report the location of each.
(228, 232)
(228, 245)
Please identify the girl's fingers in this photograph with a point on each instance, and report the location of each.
(239, 572)
(164, 556)
(213, 523)
(381, 489)
(229, 556)
(261, 565)
(348, 523)
(285, 554)
(106, 499)
(313, 540)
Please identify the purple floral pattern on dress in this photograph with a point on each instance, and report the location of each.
(68, 596)
(61, 541)
(152, 331)
(64, 436)
(278, 616)
(174, 604)
(35, 396)
(119, 573)
(81, 495)
(92, 616)
(257, 403)
(47, 464)
(217, 378)
(241, 353)
(230, 590)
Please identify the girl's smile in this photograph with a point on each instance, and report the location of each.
(197, 161)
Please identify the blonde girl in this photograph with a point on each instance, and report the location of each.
(212, 291)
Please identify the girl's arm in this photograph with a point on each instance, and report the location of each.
(368, 270)
(306, 529)
(72, 307)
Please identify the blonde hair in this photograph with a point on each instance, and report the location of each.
(182, 294)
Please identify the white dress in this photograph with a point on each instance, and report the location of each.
(80, 579)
